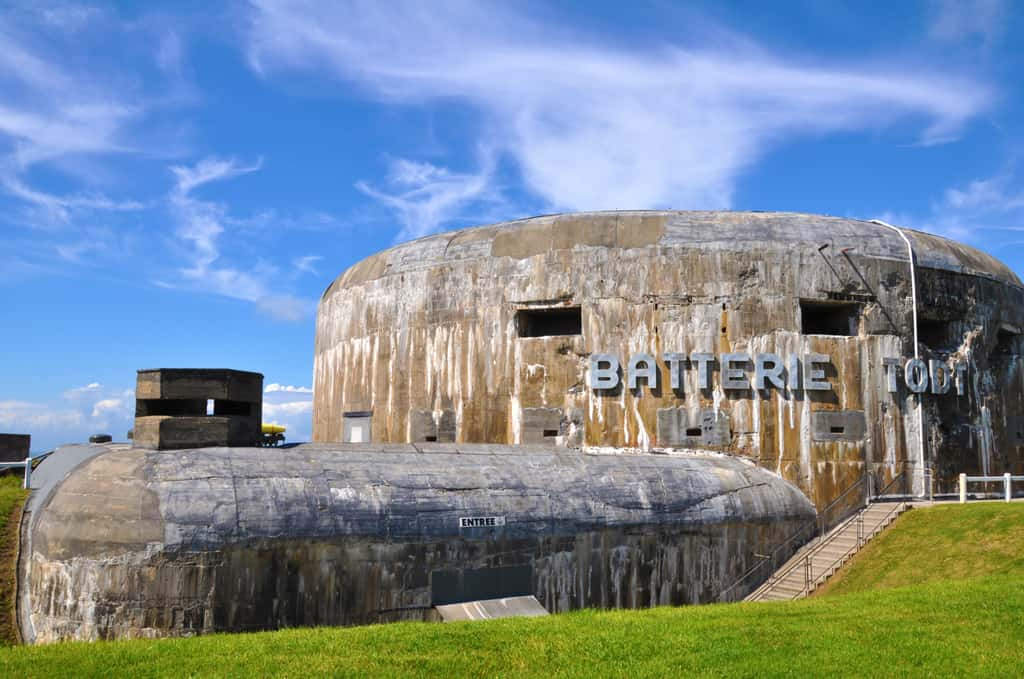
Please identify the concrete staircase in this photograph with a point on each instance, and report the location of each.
(818, 560)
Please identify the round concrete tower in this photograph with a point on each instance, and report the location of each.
(784, 338)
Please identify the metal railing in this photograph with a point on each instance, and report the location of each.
(25, 464)
(806, 533)
(841, 508)
(1007, 480)
(778, 556)
(812, 580)
(832, 515)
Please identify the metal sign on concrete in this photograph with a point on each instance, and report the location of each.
(481, 521)
(795, 372)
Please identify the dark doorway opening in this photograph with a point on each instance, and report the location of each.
(476, 584)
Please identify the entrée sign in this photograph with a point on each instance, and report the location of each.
(481, 521)
(796, 372)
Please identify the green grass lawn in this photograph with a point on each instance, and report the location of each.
(11, 498)
(945, 542)
(969, 626)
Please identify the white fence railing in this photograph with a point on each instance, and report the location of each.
(25, 464)
(1006, 478)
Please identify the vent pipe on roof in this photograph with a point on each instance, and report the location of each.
(920, 397)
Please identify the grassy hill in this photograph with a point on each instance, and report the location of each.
(11, 498)
(941, 543)
(970, 626)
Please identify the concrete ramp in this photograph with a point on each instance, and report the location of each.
(490, 609)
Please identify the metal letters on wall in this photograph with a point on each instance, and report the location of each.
(797, 372)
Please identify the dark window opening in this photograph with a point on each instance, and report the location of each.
(171, 407)
(191, 407)
(936, 334)
(1007, 343)
(430, 439)
(829, 318)
(548, 433)
(232, 408)
(549, 322)
(693, 431)
(837, 430)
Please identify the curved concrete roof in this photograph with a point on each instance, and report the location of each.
(712, 230)
(206, 498)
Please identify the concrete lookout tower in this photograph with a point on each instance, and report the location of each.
(193, 408)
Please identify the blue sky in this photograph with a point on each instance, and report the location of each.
(179, 184)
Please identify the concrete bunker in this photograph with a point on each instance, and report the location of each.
(136, 543)
(532, 406)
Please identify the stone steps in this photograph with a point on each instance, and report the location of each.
(828, 555)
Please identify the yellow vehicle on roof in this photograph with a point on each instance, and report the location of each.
(273, 434)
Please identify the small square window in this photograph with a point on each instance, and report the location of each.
(829, 318)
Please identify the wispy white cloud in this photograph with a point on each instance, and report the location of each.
(72, 417)
(107, 405)
(306, 264)
(987, 213)
(210, 170)
(90, 388)
(425, 196)
(955, 21)
(23, 417)
(287, 409)
(590, 125)
(201, 224)
(274, 387)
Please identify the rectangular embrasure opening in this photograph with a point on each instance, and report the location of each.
(693, 431)
(549, 433)
(1007, 343)
(551, 322)
(829, 318)
(232, 408)
(837, 430)
(936, 335)
(172, 407)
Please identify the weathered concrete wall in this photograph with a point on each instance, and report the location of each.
(431, 326)
(146, 543)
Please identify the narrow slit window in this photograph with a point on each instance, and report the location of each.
(693, 431)
(838, 429)
(829, 318)
(552, 322)
(549, 433)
